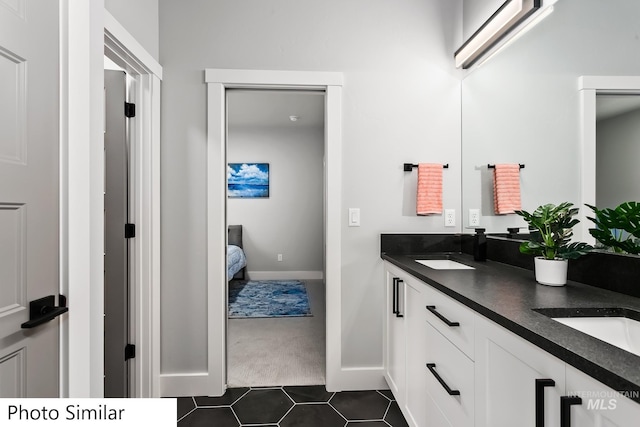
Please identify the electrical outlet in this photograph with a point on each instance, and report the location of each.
(279, 257)
(474, 217)
(449, 217)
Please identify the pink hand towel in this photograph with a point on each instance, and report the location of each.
(429, 196)
(506, 188)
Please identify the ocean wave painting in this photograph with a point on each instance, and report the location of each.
(248, 180)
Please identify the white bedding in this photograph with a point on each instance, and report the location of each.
(236, 260)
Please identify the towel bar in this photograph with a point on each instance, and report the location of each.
(408, 167)
(494, 166)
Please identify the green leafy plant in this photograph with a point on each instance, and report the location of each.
(551, 231)
(619, 228)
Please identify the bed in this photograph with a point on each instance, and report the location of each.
(236, 258)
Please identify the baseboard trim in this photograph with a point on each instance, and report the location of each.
(285, 275)
(180, 385)
(353, 379)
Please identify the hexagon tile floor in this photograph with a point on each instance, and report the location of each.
(294, 406)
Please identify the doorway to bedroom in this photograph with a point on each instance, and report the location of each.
(275, 177)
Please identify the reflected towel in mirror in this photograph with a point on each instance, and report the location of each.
(506, 188)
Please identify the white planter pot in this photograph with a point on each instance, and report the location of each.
(551, 272)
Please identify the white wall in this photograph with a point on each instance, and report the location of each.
(140, 18)
(617, 158)
(401, 104)
(475, 13)
(523, 105)
(289, 222)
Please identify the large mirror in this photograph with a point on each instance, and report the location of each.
(524, 106)
(617, 149)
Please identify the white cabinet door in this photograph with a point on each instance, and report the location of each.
(507, 368)
(416, 357)
(600, 405)
(394, 346)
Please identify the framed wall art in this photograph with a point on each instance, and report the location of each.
(248, 180)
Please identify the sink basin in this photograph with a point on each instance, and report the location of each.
(617, 326)
(619, 331)
(443, 264)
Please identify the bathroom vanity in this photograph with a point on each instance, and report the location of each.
(471, 347)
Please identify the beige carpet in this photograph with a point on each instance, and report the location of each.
(279, 351)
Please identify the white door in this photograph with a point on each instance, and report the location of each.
(116, 257)
(29, 111)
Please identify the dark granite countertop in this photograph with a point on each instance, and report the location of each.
(507, 295)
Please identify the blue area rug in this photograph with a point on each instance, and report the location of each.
(268, 298)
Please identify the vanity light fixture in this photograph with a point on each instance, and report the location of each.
(510, 14)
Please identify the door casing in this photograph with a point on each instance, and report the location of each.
(88, 33)
(218, 80)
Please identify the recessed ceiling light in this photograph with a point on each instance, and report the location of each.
(294, 118)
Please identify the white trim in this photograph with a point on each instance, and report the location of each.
(589, 87)
(125, 45)
(121, 47)
(217, 82)
(260, 78)
(333, 237)
(216, 242)
(83, 38)
(359, 379)
(81, 200)
(285, 275)
(609, 84)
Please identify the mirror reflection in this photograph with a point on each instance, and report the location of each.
(617, 149)
(523, 106)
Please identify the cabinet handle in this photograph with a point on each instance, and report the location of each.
(432, 368)
(393, 293)
(432, 308)
(398, 314)
(541, 383)
(565, 409)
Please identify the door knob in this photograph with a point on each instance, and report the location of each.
(43, 310)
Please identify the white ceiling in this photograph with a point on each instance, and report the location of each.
(608, 106)
(272, 108)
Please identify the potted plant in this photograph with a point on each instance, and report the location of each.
(618, 229)
(551, 229)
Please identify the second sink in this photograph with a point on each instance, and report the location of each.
(617, 326)
(443, 264)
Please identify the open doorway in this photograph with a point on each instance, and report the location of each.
(118, 230)
(213, 382)
(275, 155)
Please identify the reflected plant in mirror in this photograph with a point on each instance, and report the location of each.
(617, 229)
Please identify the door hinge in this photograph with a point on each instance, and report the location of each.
(129, 352)
(129, 109)
(129, 231)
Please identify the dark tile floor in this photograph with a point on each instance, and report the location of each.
(308, 406)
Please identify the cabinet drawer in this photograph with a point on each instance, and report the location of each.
(451, 319)
(450, 378)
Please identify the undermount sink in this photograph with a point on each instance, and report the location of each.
(443, 264)
(619, 331)
(616, 326)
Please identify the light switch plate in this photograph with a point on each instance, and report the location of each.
(354, 217)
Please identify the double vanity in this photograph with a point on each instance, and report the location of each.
(480, 343)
